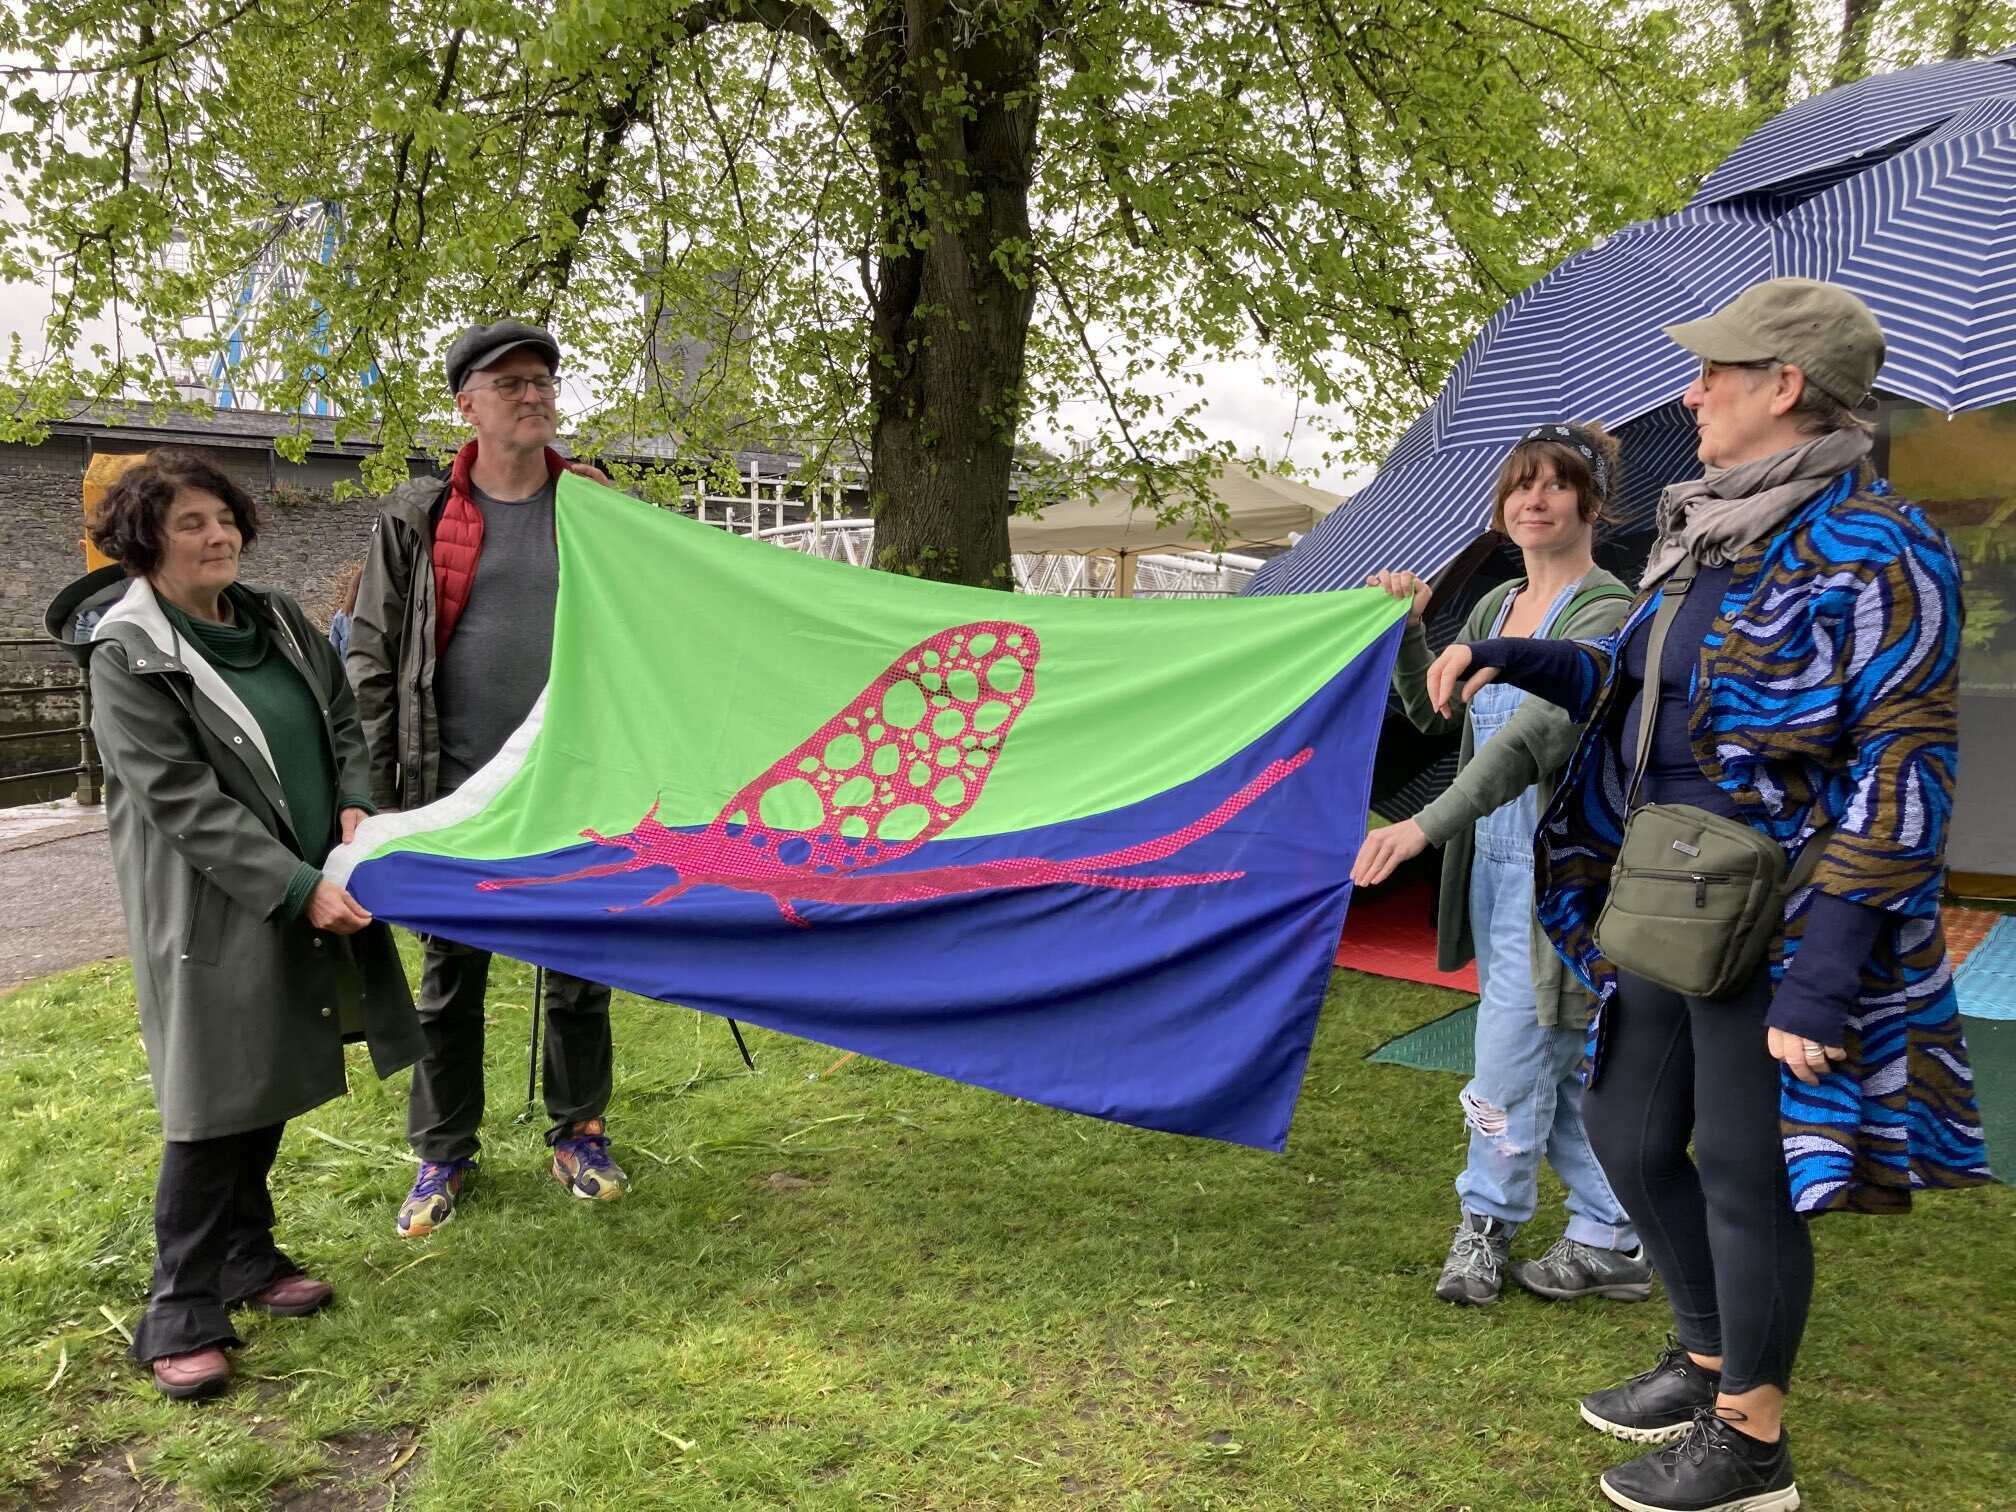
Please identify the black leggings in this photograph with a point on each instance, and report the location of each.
(1720, 1230)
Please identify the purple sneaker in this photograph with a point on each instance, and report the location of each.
(581, 1163)
(435, 1192)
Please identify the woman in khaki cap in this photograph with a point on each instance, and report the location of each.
(1808, 689)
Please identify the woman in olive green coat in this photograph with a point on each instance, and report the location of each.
(1524, 1102)
(233, 763)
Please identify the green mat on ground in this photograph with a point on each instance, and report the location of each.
(1991, 1048)
(1443, 1044)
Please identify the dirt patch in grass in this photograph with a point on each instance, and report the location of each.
(366, 1470)
(106, 1481)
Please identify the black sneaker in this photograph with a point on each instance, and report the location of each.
(1658, 1406)
(1474, 1273)
(1572, 1269)
(1715, 1468)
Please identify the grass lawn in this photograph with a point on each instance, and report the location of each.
(879, 1289)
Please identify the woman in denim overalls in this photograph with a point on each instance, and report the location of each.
(1524, 1103)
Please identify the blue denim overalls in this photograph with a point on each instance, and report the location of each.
(1524, 1100)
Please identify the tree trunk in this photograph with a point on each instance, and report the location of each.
(1962, 35)
(953, 298)
(1769, 34)
(1851, 53)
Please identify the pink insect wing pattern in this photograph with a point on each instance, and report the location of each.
(904, 761)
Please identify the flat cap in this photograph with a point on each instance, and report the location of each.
(481, 345)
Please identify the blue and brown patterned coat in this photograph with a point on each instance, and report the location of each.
(1828, 688)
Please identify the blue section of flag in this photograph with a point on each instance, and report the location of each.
(1187, 1009)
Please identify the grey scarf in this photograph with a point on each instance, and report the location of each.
(1714, 517)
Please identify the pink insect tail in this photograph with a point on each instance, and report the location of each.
(1197, 829)
(609, 869)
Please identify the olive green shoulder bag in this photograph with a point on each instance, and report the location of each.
(1695, 898)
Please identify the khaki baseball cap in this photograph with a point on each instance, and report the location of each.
(1822, 329)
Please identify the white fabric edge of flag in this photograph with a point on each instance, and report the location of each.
(464, 803)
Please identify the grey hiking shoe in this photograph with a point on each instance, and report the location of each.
(1474, 1273)
(1572, 1269)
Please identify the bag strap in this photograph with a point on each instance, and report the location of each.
(1809, 859)
(1584, 599)
(1493, 603)
(1672, 594)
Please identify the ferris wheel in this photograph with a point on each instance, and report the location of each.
(232, 369)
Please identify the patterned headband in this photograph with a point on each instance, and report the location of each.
(1584, 442)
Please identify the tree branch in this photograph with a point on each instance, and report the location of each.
(147, 53)
(788, 17)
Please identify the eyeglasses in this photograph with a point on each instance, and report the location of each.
(1710, 369)
(514, 388)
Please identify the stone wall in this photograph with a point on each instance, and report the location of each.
(305, 541)
(305, 537)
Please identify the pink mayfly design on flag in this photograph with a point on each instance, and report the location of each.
(899, 765)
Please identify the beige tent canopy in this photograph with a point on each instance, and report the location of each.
(1259, 510)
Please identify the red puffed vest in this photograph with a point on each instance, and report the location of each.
(458, 543)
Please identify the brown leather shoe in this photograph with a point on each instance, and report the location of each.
(293, 1297)
(201, 1373)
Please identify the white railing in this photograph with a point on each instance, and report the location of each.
(774, 498)
(1156, 575)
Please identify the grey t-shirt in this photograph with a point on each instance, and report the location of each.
(494, 667)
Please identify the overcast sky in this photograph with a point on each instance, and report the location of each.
(1256, 415)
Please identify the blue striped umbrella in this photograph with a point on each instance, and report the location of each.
(1846, 130)
(1582, 343)
(1585, 340)
(1928, 239)
(1424, 510)
(1418, 514)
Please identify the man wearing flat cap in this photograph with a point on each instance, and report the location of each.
(448, 652)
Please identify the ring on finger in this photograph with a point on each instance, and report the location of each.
(1815, 1053)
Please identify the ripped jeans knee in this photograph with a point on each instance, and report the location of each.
(1491, 1121)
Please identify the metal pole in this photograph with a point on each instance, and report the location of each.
(87, 749)
(736, 1030)
(538, 1012)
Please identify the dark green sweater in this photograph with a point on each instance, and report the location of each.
(290, 719)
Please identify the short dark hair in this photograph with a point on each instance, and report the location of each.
(1570, 466)
(127, 524)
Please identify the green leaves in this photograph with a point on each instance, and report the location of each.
(724, 206)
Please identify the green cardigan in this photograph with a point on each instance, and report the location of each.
(1533, 747)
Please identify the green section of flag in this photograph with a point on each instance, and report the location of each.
(687, 660)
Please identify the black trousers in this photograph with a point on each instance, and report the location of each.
(446, 1107)
(213, 1240)
(1719, 1228)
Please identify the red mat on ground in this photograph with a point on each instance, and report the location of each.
(1390, 932)
(1965, 928)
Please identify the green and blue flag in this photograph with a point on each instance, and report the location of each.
(1091, 853)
